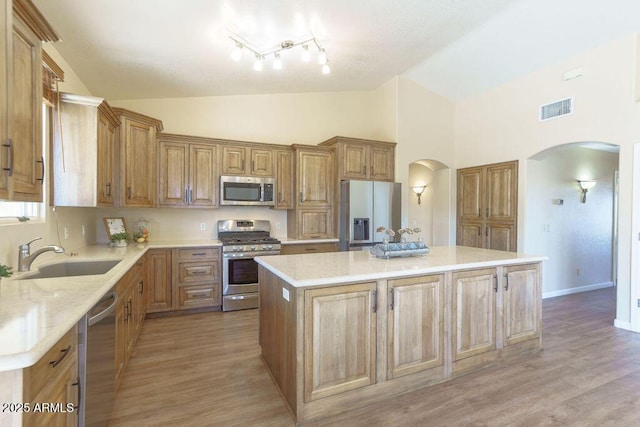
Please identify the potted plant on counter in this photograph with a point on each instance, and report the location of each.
(119, 239)
(5, 271)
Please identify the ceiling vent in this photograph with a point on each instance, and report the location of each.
(556, 109)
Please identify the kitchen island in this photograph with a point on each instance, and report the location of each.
(345, 329)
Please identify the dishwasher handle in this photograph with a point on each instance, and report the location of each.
(107, 311)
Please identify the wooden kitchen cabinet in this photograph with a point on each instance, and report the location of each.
(22, 168)
(84, 152)
(137, 145)
(53, 380)
(130, 313)
(313, 215)
(522, 303)
(415, 330)
(159, 286)
(250, 160)
(284, 179)
(196, 278)
(363, 159)
(340, 350)
(473, 312)
(187, 172)
(487, 206)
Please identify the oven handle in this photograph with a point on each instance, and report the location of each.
(228, 255)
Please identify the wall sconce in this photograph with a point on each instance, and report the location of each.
(585, 186)
(419, 190)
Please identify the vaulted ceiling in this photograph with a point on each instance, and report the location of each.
(124, 49)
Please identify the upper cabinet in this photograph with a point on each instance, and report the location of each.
(84, 152)
(247, 159)
(313, 213)
(22, 169)
(284, 179)
(187, 173)
(137, 144)
(363, 159)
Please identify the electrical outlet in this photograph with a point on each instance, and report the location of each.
(285, 294)
(277, 226)
(84, 231)
(66, 233)
(203, 226)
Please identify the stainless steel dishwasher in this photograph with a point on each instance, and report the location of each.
(96, 346)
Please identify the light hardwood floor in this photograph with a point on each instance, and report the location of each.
(205, 370)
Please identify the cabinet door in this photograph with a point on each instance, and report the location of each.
(521, 303)
(501, 237)
(315, 223)
(470, 194)
(121, 337)
(339, 339)
(284, 179)
(63, 392)
(233, 160)
(173, 173)
(159, 287)
(502, 200)
(474, 313)
(470, 234)
(415, 332)
(5, 59)
(139, 164)
(315, 180)
(26, 115)
(202, 175)
(355, 161)
(381, 163)
(106, 146)
(261, 162)
(131, 319)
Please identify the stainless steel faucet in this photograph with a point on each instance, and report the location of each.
(25, 257)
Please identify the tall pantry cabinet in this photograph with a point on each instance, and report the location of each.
(22, 167)
(487, 206)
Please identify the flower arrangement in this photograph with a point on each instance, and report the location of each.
(5, 270)
(401, 231)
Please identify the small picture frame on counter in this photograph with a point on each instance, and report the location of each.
(114, 227)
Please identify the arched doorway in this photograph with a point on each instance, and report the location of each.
(435, 212)
(578, 235)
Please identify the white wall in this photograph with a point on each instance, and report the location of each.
(502, 124)
(577, 237)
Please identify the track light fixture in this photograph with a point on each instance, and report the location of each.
(260, 55)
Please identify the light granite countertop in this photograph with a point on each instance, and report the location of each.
(36, 313)
(309, 270)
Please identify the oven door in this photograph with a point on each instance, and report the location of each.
(239, 275)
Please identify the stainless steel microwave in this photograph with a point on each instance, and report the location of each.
(246, 190)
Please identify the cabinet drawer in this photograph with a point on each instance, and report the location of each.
(198, 253)
(53, 362)
(198, 296)
(197, 272)
(309, 248)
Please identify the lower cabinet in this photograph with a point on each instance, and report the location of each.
(522, 305)
(183, 278)
(309, 248)
(53, 381)
(415, 331)
(340, 339)
(130, 314)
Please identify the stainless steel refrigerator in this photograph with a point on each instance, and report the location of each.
(365, 206)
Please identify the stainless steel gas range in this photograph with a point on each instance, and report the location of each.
(242, 240)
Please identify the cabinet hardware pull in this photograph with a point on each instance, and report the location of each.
(364, 170)
(186, 195)
(301, 197)
(199, 272)
(374, 295)
(9, 146)
(253, 165)
(371, 170)
(311, 249)
(141, 287)
(108, 189)
(63, 354)
(392, 296)
(486, 231)
(487, 216)
(279, 197)
(41, 179)
(243, 165)
(128, 192)
(506, 282)
(198, 253)
(495, 282)
(199, 296)
(79, 399)
(190, 196)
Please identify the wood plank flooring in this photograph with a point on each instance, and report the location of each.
(205, 370)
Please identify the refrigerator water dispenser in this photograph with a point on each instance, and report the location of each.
(360, 229)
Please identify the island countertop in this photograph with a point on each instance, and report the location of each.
(340, 267)
(36, 313)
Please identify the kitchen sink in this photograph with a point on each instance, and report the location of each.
(71, 269)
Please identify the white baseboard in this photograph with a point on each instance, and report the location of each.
(570, 291)
(622, 325)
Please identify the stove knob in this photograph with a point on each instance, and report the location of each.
(253, 248)
(270, 247)
(237, 248)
